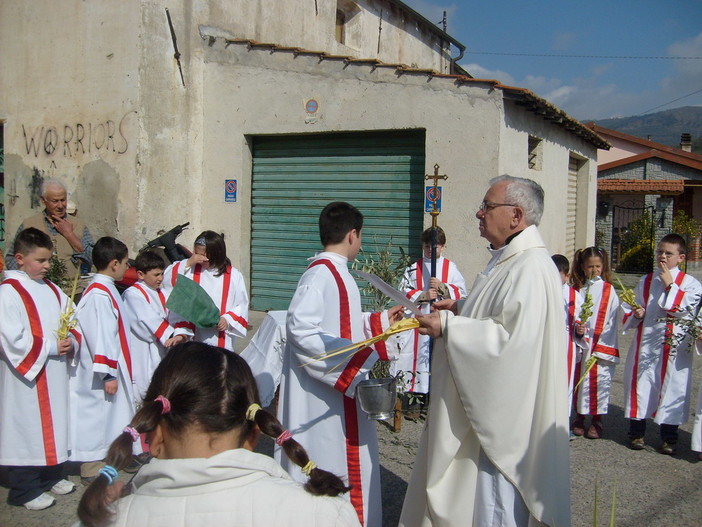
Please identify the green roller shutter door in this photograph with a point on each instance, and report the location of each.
(294, 177)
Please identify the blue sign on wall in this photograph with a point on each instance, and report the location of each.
(230, 190)
(432, 195)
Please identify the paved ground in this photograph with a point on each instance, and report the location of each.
(651, 489)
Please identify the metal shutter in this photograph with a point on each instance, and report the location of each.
(571, 206)
(294, 177)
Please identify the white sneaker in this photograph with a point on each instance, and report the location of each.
(63, 487)
(41, 502)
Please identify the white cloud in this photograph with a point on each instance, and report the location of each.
(477, 71)
(563, 41)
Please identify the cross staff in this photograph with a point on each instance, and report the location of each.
(434, 215)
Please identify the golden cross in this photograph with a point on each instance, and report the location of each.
(436, 177)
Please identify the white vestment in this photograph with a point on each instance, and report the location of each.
(499, 398)
(149, 330)
(414, 355)
(317, 401)
(657, 375)
(34, 395)
(235, 488)
(228, 291)
(97, 418)
(592, 397)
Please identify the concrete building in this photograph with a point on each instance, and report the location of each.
(248, 116)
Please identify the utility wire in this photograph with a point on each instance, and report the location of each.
(553, 55)
(671, 102)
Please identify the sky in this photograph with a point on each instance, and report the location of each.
(504, 39)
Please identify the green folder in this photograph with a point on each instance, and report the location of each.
(189, 300)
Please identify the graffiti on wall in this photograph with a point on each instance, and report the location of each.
(77, 139)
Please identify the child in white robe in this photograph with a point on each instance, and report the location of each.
(573, 301)
(203, 418)
(102, 386)
(591, 276)
(34, 435)
(419, 285)
(210, 267)
(657, 375)
(150, 329)
(318, 398)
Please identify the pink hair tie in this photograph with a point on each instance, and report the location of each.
(165, 403)
(132, 432)
(283, 437)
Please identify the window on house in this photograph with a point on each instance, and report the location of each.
(535, 153)
(340, 26)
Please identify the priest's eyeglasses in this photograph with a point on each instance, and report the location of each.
(486, 206)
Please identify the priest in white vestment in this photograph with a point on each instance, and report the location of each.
(494, 450)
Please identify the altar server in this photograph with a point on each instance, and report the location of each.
(34, 394)
(317, 398)
(210, 267)
(102, 386)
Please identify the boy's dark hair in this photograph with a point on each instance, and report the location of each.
(677, 240)
(215, 250)
(338, 219)
(107, 249)
(148, 260)
(562, 263)
(425, 237)
(210, 388)
(32, 238)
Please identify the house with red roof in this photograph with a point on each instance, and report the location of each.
(638, 176)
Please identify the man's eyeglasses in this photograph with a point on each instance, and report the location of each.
(486, 206)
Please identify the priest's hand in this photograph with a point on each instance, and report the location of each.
(395, 314)
(430, 325)
(222, 325)
(448, 303)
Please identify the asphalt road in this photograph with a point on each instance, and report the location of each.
(651, 489)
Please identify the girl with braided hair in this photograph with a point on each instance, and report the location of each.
(202, 419)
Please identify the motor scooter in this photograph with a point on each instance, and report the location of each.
(165, 245)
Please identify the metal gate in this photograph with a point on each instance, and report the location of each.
(633, 238)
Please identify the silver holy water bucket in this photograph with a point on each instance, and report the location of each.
(377, 397)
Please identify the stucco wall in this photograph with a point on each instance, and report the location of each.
(557, 145)
(398, 38)
(69, 98)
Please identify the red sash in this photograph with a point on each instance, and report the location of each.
(44, 400)
(123, 340)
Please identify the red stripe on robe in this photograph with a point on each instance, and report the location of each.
(353, 456)
(633, 398)
(599, 326)
(123, 340)
(570, 321)
(44, 400)
(669, 328)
